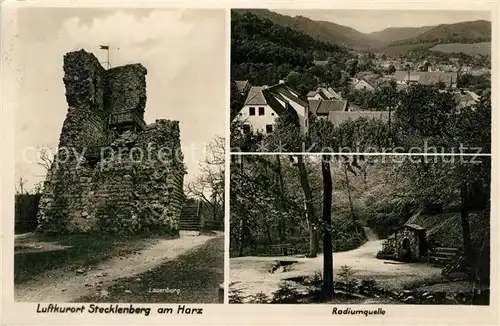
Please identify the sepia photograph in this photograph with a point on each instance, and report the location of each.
(357, 229)
(360, 81)
(119, 192)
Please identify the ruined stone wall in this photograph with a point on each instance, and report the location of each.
(126, 89)
(133, 182)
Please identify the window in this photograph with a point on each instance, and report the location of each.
(251, 110)
(269, 128)
(246, 129)
(261, 110)
(272, 113)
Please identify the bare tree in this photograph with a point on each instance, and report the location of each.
(209, 185)
(45, 158)
(20, 185)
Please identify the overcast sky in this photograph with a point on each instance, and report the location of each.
(183, 50)
(376, 20)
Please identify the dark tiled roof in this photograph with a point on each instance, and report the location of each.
(284, 90)
(273, 102)
(338, 117)
(325, 106)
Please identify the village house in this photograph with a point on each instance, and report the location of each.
(365, 80)
(323, 93)
(466, 98)
(264, 104)
(321, 108)
(363, 84)
(426, 77)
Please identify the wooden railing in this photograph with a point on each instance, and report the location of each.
(117, 118)
(198, 208)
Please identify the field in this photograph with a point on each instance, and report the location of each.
(483, 48)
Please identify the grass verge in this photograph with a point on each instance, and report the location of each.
(191, 278)
(37, 254)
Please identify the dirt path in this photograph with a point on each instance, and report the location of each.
(71, 286)
(251, 274)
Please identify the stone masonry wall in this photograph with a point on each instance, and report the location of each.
(412, 236)
(133, 182)
(127, 96)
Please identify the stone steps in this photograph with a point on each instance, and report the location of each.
(189, 221)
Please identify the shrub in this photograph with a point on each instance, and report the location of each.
(286, 293)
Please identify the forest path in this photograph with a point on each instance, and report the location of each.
(70, 286)
(251, 274)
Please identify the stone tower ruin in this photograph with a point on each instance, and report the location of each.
(112, 173)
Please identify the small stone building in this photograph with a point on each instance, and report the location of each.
(113, 173)
(410, 242)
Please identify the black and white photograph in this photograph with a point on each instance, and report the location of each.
(360, 81)
(119, 193)
(357, 229)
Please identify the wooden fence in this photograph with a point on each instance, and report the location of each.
(26, 209)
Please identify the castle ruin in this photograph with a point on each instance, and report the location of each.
(112, 173)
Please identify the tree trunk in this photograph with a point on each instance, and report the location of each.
(241, 245)
(348, 186)
(327, 224)
(304, 182)
(282, 223)
(242, 237)
(464, 196)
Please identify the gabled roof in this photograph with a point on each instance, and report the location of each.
(338, 117)
(366, 81)
(255, 96)
(241, 85)
(325, 93)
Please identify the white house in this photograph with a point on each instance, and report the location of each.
(264, 104)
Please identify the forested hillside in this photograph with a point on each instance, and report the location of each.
(319, 30)
(264, 53)
(465, 32)
(394, 34)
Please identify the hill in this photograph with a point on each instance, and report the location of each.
(394, 34)
(465, 32)
(482, 48)
(319, 30)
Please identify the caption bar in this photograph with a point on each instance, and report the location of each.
(365, 312)
(115, 309)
